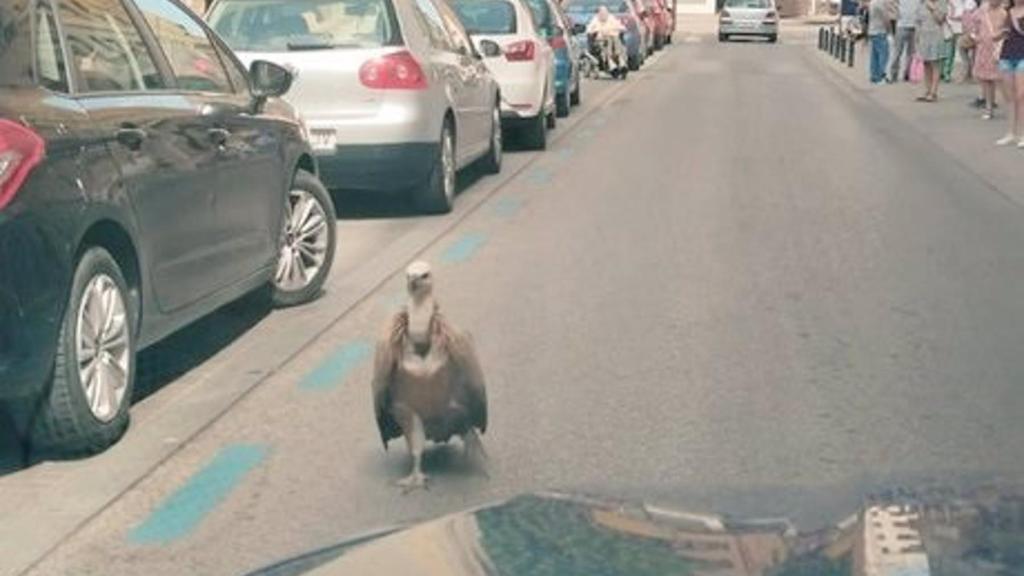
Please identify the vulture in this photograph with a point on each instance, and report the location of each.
(427, 382)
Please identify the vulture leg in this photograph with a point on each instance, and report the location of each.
(474, 450)
(415, 439)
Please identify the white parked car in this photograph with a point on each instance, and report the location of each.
(524, 67)
(394, 95)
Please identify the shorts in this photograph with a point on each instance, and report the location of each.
(1015, 66)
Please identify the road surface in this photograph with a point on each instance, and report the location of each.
(730, 284)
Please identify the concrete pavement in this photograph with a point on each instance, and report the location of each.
(689, 299)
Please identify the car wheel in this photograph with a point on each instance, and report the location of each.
(438, 195)
(308, 238)
(633, 62)
(536, 133)
(773, 38)
(723, 37)
(86, 407)
(574, 96)
(562, 104)
(492, 161)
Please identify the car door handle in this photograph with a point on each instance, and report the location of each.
(219, 136)
(131, 137)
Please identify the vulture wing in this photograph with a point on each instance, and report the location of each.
(385, 363)
(467, 374)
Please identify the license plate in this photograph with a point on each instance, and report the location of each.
(323, 139)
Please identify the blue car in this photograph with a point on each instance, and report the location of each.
(557, 28)
(581, 11)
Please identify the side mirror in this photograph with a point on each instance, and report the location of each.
(490, 48)
(578, 29)
(268, 80)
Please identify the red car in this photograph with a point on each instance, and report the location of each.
(660, 20)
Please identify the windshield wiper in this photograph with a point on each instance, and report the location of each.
(310, 45)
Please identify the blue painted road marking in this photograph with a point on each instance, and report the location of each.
(186, 508)
(540, 176)
(507, 206)
(337, 366)
(464, 248)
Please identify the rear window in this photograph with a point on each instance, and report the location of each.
(541, 14)
(281, 25)
(15, 44)
(486, 16)
(748, 3)
(589, 6)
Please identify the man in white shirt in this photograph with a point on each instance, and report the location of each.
(904, 44)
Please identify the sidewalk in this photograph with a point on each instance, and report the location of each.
(951, 123)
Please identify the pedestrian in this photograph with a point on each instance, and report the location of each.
(954, 29)
(987, 28)
(904, 43)
(931, 20)
(877, 32)
(965, 46)
(1011, 63)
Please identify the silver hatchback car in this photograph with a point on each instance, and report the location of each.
(748, 18)
(394, 95)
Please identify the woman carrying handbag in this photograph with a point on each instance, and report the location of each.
(1011, 64)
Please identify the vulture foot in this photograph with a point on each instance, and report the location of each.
(414, 481)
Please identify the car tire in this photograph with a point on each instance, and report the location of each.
(562, 104)
(575, 95)
(309, 237)
(535, 133)
(437, 196)
(773, 38)
(65, 420)
(723, 37)
(492, 161)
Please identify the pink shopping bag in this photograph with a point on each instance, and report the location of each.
(916, 69)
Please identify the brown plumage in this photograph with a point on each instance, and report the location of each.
(427, 380)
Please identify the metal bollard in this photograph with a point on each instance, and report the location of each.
(841, 55)
(849, 60)
(832, 41)
(822, 39)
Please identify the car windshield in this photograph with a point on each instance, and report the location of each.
(589, 6)
(486, 16)
(277, 25)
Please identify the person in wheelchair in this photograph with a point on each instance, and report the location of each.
(604, 38)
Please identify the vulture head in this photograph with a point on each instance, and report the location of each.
(418, 280)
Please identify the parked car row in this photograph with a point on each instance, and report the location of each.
(155, 166)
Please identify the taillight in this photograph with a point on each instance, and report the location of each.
(397, 71)
(558, 42)
(21, 150)
(520, 51)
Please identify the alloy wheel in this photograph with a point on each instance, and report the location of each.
(448, 164)
(102, 347)
(304, 246)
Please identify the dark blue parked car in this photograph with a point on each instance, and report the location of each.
(145, 181)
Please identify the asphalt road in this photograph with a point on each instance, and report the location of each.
(729, 285)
